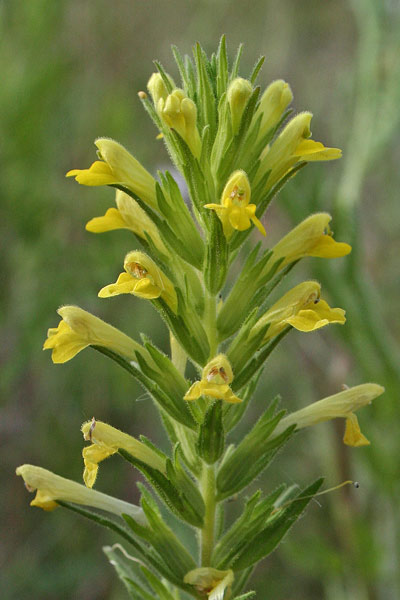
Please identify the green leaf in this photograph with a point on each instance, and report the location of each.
(157, 585)
(234, 412)
(267, 539)
(245, 596)
(127, 570)
(211, 440)
(253, 454)
(222, 67)
(164, 541)
(253, 366)
(256, 69)
(247, 526)
(216, 263)
(175, 498)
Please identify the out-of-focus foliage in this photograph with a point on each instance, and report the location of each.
(71, 71)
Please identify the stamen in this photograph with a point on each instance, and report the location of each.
(223, 374)
(212, 373)
(92, 426)
(137, 270)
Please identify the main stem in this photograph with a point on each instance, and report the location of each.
(207, 482)
(207, 532)
(210, 320)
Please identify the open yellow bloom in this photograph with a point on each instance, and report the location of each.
(108, 440)
(302, 308)
(118, 166)
(234, 210)
(312, 237)
(79, 329)
(340, 405)
(127, 215)
(216, 378)
(51, 487)
(216, 584)
(292, 146)
(274, 100)
(143, 279)
(180, 113)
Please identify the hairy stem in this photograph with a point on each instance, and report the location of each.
(207, 532)
(210, 317)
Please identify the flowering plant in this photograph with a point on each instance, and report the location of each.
(235, 149)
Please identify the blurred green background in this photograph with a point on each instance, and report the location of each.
(70, 72)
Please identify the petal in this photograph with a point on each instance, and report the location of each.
(99, 173)
(194, 392)
(124, 285)
(239, 219)
(310, 150)
(110, 221)
(144, 288)
(353, 435)
(67, 348)
(92, 455)
(43, 500)
(327, 247)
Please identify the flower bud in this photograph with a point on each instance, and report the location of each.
(274, 101)
(239, 91)
(157, 87)
(180, 113)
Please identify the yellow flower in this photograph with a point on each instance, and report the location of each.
(79, 329)
(274, 100)
(216, 377)
(238, 93)
(157, 88)
(180, 113)
(128, 215)
(216, 584)
(107, 441)
(143, 279)
(119, 167)
(51, 487)
(292, 146)
(312, 237)
(301, 308)
(234, 210)
(340, 405)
